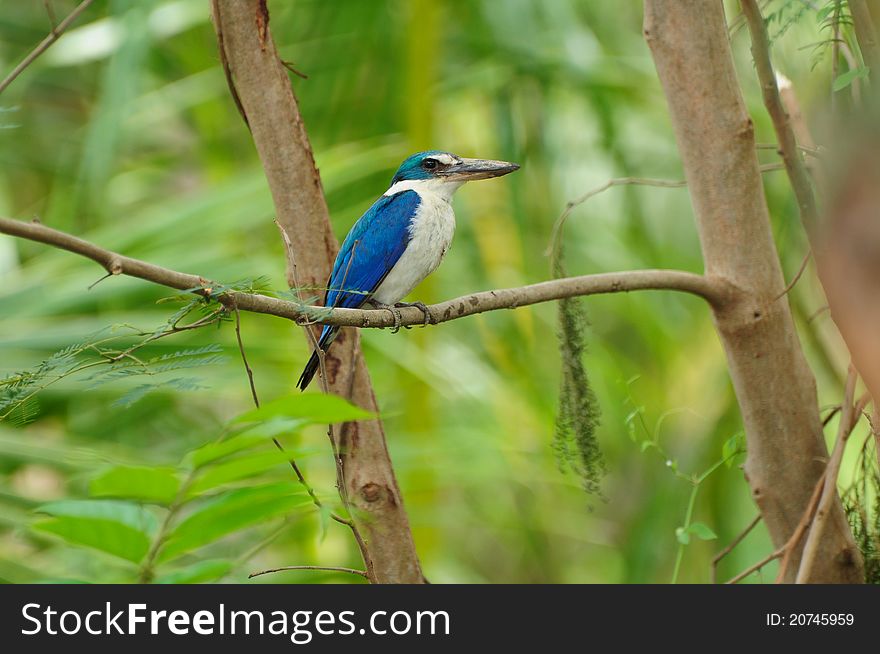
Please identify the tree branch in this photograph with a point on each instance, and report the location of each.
(714, 290)
(319, 568)
(775, 388)
(44, 45)
(849, 416)
(260, 86)
(866, 34)
(788, 147)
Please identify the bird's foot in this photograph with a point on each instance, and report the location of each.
(394, 312)
(418, 305)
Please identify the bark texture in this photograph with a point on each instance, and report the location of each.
(774, 386)
(263, 94)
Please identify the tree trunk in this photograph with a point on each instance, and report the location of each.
(774, 386)
(262, 91)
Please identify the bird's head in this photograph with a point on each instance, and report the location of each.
(444, 170)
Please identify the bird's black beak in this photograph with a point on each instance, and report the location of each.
(467, 170)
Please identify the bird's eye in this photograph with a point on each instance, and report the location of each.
(429, 164)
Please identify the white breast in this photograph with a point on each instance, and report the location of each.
(431, 232)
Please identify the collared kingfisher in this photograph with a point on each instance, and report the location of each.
(401, 239)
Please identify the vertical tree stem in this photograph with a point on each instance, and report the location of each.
(261, 88)
(775, 389)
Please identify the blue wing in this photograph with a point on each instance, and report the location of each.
(371, 249)
(368, 254)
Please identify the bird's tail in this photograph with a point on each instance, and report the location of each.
(328, 335)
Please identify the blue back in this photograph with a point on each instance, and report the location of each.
(372, 247)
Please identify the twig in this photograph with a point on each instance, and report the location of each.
(323, 568)
(818, 312)
(866, 34)
(44, 45)
(835, 53)
(798, 533)
(250, 373)
(796, 277)
(147, 570)
(289, 66)
(727, 550)
(794, 165)
(834, 411)
(848, 418)
(290, 459)
(786, 550)
(714, 290)
(556, 232)
(50, 11)
(757, 566)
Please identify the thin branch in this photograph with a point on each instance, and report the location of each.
(798, 533)
(44, 45)
(730, 547)
(794, 165)
(247, 367)
(290, 459)
(835, 53)
(53, 20)
(849, 416)
(714, 290)
(323, 568)
(556, 232)
(791, 544)
(796, 277)
(866, 34)
(757, 566)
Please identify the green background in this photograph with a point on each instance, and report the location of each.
(124, 133)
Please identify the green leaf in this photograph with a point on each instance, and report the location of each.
(212, 451)
(238, 468)
(734, 445)
(117, 528)
(198, 573)
(137, 482)
(324, 519)
(252, 437)
(231, 511)
(847, 78)
(682, 535)
(103, 535)
(313, 407)
(125, 513)
(701, 531)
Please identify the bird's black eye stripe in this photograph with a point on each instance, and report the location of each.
(429, 164)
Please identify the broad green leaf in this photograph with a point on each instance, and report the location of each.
(137, 482)
(212, 451)
(126, 513)
(198, 573)
(847, 78)
(701, 531)
(105, 535)
(241, 467)
(682, 535)
(312, 407)
(257, 435)
(231, 511)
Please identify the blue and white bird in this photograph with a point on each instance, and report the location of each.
(401, 239)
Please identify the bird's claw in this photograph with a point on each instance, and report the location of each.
(422, 307)
(394, 313)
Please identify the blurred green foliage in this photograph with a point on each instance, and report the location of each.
(124, 133)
